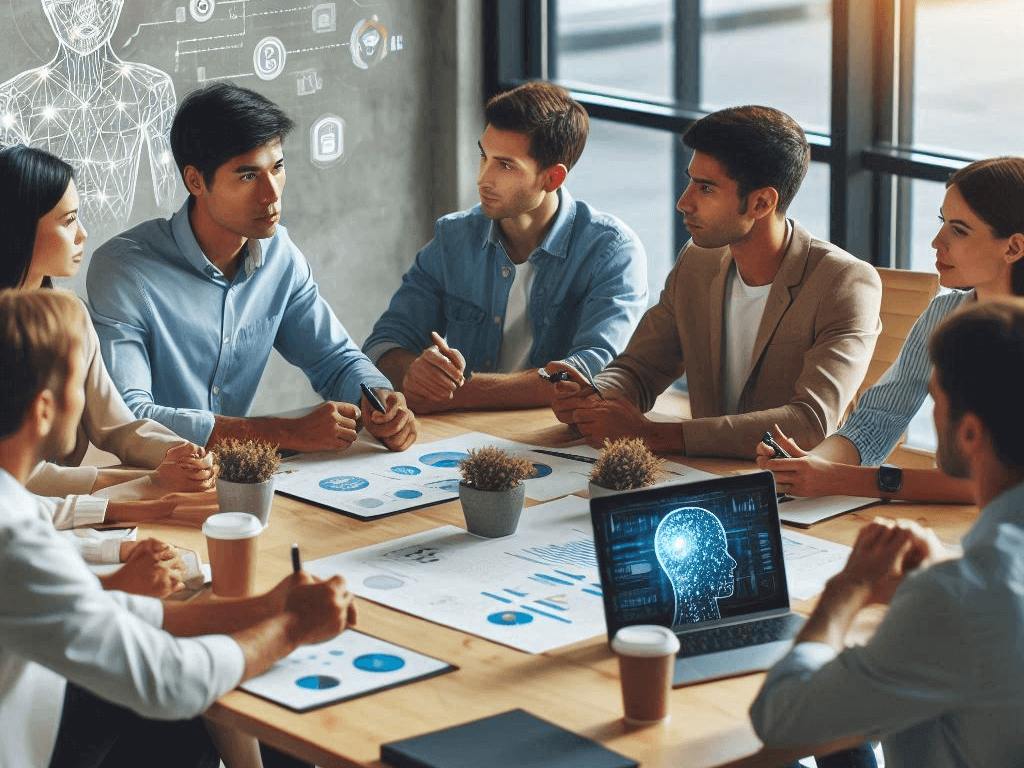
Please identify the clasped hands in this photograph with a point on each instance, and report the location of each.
(335, 425)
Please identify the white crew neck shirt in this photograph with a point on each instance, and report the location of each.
(744, 307)
(517, 333)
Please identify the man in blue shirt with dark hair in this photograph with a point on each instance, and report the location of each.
(529, 276)
(187, 309)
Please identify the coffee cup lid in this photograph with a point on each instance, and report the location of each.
(232, 525)
(645, 640)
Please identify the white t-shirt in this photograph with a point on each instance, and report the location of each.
(744, 306)
(517, 333)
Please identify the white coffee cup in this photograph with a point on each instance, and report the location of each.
(232, 540)
(647, 654)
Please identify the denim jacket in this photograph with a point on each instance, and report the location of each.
(589, 290)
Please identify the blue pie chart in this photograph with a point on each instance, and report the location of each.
(510, 618)
(442, 459)
(344, 483)
(406, 493)
(542, 470)
(318, 682)
(403, 469)
(378, 662)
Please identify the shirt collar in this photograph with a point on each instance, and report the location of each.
(556, 241)
(185, 238)
(1007, 507)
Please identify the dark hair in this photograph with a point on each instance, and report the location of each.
(757, 146)
(39, 329)
(978, 352)
(556, 123)
(222, 121)
(32, 182)
(994, 190)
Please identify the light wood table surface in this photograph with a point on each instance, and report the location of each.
(576, 686)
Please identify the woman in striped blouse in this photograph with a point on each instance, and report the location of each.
(978, 253)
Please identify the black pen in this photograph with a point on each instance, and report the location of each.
(372, 399)
(768, 440)
(590, 380)
(296, 561)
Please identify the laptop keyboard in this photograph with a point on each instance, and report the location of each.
(739, 635)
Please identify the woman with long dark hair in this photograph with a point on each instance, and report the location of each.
(979, 253)
(43, 238)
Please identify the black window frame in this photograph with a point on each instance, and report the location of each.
(868, 144)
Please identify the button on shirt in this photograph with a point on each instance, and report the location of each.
(183, 343)
(57, 624)
(589, 290)
(940, 682)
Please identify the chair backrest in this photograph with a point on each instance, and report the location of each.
(905, 295)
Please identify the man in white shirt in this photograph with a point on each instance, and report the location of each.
(60, 631)
(940, 681)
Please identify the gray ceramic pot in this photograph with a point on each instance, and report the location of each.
(254, 498)
(492, 513)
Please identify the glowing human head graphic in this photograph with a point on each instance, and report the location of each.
(83, 25)
(691, 548)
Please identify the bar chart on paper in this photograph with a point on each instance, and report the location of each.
(535, 590)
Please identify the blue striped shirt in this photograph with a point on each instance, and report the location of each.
(884, 411)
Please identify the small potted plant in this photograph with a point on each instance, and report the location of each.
(245, 479)
(624, 465)
(492, 490)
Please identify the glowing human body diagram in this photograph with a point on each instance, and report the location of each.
(691, 548)
(94, 110)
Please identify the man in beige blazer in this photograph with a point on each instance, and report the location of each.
(770, 324)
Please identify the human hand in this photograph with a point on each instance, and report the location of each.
(571, 395)
(151, 567)
(331, 426)
(317, 610)
(883, 554)
(396, 428)
(185, 468)
(612, 418)
(435, 373)
(804, 474)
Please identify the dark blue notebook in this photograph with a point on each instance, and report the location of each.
(514, 739)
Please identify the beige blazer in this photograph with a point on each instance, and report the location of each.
(811, 352)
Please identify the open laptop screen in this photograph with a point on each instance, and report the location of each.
(686, 554)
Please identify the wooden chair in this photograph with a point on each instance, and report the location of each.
(905, 295)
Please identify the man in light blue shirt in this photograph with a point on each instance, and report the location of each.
(940, 681)
(529, 276)
(188, 309)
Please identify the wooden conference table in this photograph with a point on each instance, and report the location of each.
(576, 686)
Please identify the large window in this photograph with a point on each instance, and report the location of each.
(894, 96)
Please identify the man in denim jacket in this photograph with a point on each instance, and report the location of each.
(527, 277)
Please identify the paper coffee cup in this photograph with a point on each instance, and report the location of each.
(232, 540)
(647, 655)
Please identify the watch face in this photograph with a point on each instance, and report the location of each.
(890, 478)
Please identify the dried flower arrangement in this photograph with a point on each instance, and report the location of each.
(493, 469)
(625, 464)
(245, 461)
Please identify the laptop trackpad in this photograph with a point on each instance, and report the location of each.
(737, 661)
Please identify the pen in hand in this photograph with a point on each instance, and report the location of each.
(296, 560)
(372, 399)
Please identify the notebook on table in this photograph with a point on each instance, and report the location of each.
(513, 739)
(705, 559)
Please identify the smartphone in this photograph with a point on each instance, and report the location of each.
(768, 440)
(553, 377)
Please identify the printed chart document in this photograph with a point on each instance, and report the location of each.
(352, 664)
(535, 590)
(810, 562)
(367, 480)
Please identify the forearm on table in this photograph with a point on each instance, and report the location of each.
(917, 485)
(838, 606)
(107, 477)
(522, 389)
(220, 617)
(271, 429)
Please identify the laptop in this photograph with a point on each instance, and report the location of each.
(705, 559)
